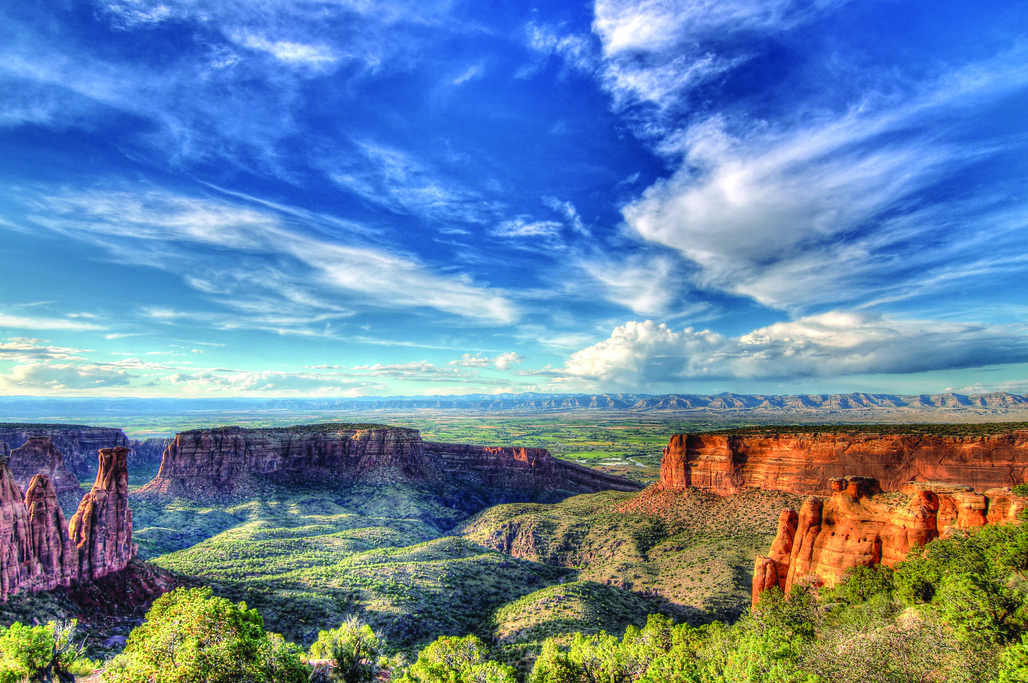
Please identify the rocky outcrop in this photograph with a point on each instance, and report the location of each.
(102, 526)
(38, 548)
(859, 526)
(39, 456)
(507, 467)
(805, 463)
(147, 454)
(52, 557)
(78, 443)
(232, 461)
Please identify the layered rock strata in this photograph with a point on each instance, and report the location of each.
(40, 456)
(235, 461)
(101, 528)
(78, 443)
(859, 526)
(806, 463)
(38, 548)
(514, 467)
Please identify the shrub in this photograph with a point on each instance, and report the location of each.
(189, 636)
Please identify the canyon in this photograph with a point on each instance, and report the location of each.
(40, 550)
(859, 525)
(233, 461)
(806, 463)
(77, 443)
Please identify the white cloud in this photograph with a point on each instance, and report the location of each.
(524, 227)
(317, 56)
(645, 284)
(24, 349)
(59, 377)
(503, 362)
(568, 210)
(645, 354)
(274, 260)
(33, 323)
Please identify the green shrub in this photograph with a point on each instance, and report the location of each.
(190, 637)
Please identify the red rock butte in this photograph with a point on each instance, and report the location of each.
(805, 463)
(38, 551)
(859, 526)
(232, 461)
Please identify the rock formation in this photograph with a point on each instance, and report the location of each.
(520, 468)
(235, 461)
(805, 463)
(39, 456)
(102, 526)
(78, 443)
(52, 557)
(38, 549)
(860, 527)
(146, 455)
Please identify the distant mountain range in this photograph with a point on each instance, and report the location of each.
(717, 404)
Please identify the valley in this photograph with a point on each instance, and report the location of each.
(313, 524)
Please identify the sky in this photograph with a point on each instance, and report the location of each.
(339, 198)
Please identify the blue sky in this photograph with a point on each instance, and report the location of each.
(344, 198)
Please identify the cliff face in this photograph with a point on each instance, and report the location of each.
(102, 526)
(39, 456)
(520, 468)
(78, 443)
(53, 558)
(38, 549)
(806, 463)
(234, 461)
(859, 526)
(147, 454)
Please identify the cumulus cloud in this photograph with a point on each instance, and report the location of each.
(503, 362)
(25, 348)
(62, 376)
(645, 354)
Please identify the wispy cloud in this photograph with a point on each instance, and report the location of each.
(279, 274)
(37, 323)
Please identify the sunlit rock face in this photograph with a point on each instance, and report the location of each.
(101, 528)
(860, 526)
(40, 456)
(233, 461)
(806, 463)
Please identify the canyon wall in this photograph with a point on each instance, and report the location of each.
(38, 549)
(235, 461)
(78, 443)
(859, 526)
(40, 456)
(805, 463)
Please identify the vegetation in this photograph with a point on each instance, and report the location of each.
(41, 654)
(353, 652)
(190, 636)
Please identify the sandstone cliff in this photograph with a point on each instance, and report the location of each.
(859, 526)
(51, 556)
(38, 548)
(234, 461)
(805, 463)
(78, 443)
(102, 526)
(39, 456)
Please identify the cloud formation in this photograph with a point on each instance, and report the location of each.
(280, 276)
(647, 354)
